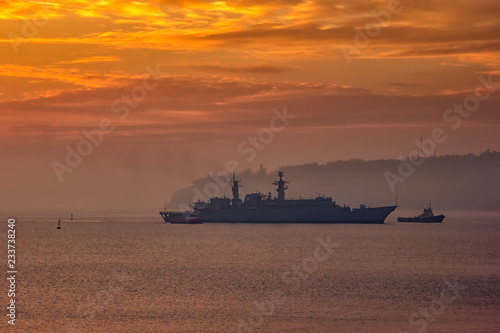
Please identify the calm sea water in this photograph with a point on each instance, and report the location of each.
(115, 274)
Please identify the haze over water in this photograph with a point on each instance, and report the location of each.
(119, 276)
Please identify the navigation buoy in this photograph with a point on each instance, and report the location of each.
(59, 224)
(71, 217)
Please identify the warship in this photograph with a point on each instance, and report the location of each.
(260, 208)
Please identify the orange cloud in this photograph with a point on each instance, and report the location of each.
(90, 59)
(273, 50)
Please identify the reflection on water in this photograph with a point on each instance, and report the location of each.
(157, 277)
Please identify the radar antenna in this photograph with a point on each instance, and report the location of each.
(282, 186)
(236, 193)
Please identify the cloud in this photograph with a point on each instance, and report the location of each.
(262, 68)
(447, 49)
(403, 84)
(188, 109)
(90, 59)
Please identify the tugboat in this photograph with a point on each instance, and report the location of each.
(426, 217)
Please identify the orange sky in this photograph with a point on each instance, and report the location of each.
(225, 66)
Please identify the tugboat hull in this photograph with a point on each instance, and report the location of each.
(431, 219)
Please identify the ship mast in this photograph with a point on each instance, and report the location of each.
(236, 192)
(281, 186)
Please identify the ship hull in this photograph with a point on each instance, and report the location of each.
(375, 215)
(431, 219)
(171, 216)
(187, 221)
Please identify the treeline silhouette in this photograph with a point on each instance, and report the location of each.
(461, 182)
